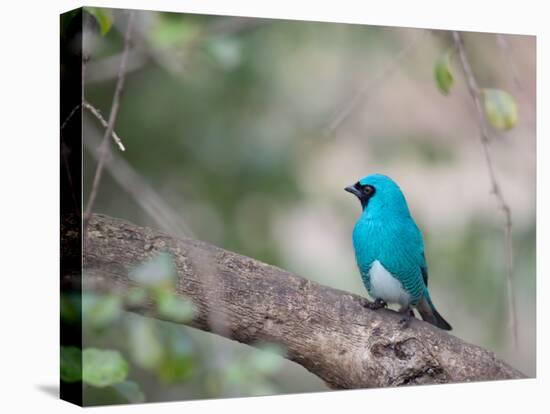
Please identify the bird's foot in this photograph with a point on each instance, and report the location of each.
(377, 304)
(406, 315)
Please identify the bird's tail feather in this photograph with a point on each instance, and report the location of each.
(428, 312)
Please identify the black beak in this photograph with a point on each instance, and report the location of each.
(353, 189)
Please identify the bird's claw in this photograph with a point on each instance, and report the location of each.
(406, 317)
(377, 304)
(404, 322)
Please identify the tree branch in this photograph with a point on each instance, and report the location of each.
(327, 331)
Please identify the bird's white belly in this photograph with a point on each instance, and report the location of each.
(385, 286)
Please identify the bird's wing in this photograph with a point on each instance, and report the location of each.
(405, 259)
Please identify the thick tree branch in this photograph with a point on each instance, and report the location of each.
(327, 331)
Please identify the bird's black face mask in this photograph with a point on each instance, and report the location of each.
(362, 192)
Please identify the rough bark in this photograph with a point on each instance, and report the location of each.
(327, 331)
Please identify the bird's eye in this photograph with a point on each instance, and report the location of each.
(368, 190)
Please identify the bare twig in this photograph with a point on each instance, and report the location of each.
(69, 117)
(143, 194)
(168, 220)
(64, 156)
(95, 112)
(506, 50)
(361, 94)
(495, 187)
(111, 124)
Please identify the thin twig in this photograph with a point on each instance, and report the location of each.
(66, 121)
(506, 50)
(104, 149)
(495, 187)
(362, 93)
(173, 59)
(95, 112)
(168, 219)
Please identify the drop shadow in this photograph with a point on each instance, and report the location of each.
(50, 389)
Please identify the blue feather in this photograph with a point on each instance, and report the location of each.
(387, 235)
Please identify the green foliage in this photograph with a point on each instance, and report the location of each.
(226, 51)
(252, 373)
(100, 311)
(104, 18)
(70, 308)
(131, 391)
(161, 348)
(179, 356)
(268, 360)
(169, 31)
(157, 279)
(158, 272)
(442, 72)
(501, 108)
(174, 308)
(136, 296)
(120, 393)
(71, 364)
(144, 342)
(102, 368)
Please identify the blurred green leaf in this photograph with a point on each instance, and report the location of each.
(259, 389)
(226, 51)
(169, 31)
(70, 308)
(500, 108)
(252, 373)
(159, 271)
(136, 296)
(146, 349)
(102, 368)
(104, 18)
(442, 73)
(162, 348)
(71, 364)
(104, 311)
(268, 359)
(173, 307)
(120, 393)
(131, 392)
(235, 374)
(179, 356)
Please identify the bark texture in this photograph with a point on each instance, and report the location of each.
(327, 331)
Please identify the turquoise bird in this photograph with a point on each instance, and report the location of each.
(389, 250)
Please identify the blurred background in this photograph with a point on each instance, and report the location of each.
(243, 132)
